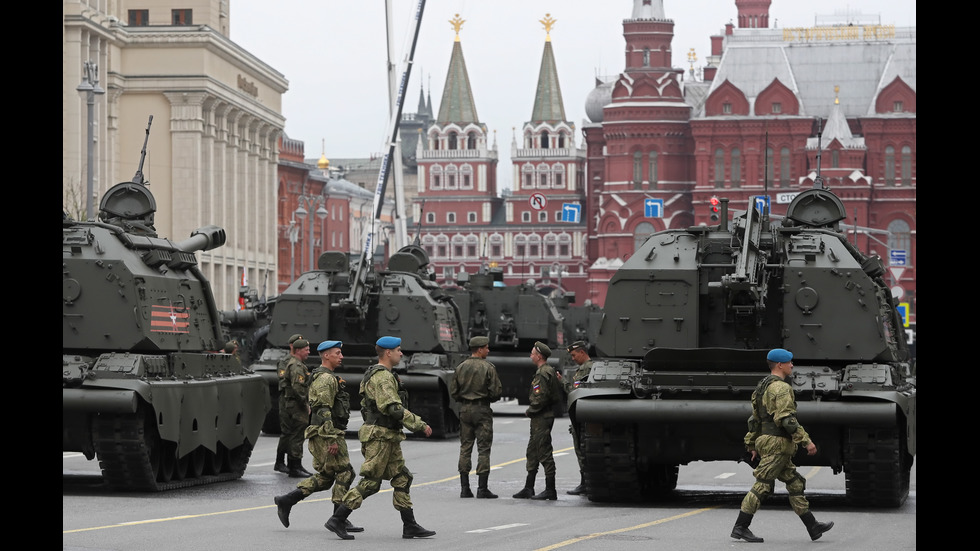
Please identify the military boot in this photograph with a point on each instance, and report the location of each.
(281, 463)
(482, 490)
(411, 529)
(464, 483)
(549, 491)
(580, 489)
(347, 523)
(741, 530)
(285, 502)
(337, 523)
(528, 491)
(814, 528)
(296, 469)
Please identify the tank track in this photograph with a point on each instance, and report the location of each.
(611, 473)
(877, 467)
(433, 408)
(133, 458)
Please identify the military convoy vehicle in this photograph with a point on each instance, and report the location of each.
(686, 326)
(144, 388)
(340, 302)
(513, 317)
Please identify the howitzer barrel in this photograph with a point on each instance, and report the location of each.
(717, 411)
(203, 239)
(77, 400)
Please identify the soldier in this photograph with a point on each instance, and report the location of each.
(382, 399)
(580, 355)
(330, 406)
(294, 408)
(475, 384)
(231, 347)
(546, 389)
(774, 434)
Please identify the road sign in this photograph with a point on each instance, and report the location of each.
(653, 208)
(570, 212)
(896, 257)
(786, 198)
(537, 201)
(903, 310)
(762, 203)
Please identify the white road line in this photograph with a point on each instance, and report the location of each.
(502, 527)
(725, 475)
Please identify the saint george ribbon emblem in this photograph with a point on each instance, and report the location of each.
(168, 319)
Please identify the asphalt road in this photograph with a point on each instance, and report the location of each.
(241, 514)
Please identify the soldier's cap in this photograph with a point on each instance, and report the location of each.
(389, 342)
(479, 342)
(230, 347)
(295, 338)
(542, 349)
(300, 343)
(578, 345)
(327, 345)
(779, 355)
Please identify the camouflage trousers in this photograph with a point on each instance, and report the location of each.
(578, 450)
(776, 463)
(475, 425)
(539, 450)
(292, 425)
(383, 460)
(331, 470)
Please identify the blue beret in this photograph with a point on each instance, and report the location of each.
(779, 355)
(327, 345)
(389, 342)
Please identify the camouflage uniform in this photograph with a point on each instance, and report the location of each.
(772, 401)
(382, 396)
(475, 384)
(546, 389)
(330, 405)
(294, 415)
(580, 375)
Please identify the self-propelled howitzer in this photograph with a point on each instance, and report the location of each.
(686, 325)
(144, 387)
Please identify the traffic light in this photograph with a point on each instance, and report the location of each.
(714, 208)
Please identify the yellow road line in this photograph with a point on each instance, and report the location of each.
(627, 529)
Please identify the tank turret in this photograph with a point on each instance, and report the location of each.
(144, 387)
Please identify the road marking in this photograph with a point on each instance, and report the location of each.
(502, 527)
(725, 475)
(627, 529)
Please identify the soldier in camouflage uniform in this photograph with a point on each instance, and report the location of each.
(774, 434)
(578, 350)
(294, 407)
(475, 384)
(546, 390)
(330, 406)
(382, 399)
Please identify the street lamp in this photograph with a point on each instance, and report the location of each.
(310, 202)
(90, 86)
(293, 238)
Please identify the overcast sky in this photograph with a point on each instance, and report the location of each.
(334, 55)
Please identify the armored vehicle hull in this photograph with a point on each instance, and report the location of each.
(397, 302)
(687, 323)
(144, 389)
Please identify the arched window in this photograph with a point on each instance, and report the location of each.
(451, 177)
(564, 245)
(641, 233)
(900, 238)
(770, 166)
(736, 167)
(534, 246)
(466, 177)
(435, 176)
(453, 140)
(544, 139)
(906, 165)
(654, 170)
(558, 175)
(637, 169)
(719, 168)
(561, 140)
(528, 172)
(520, 246)
(472, 246)
(890, 166)
(471, 140)
(784, 167)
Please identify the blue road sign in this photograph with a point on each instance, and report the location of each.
(903, 310)
(762, 203)
(896, 257)
(653, 208)
(570, 212)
